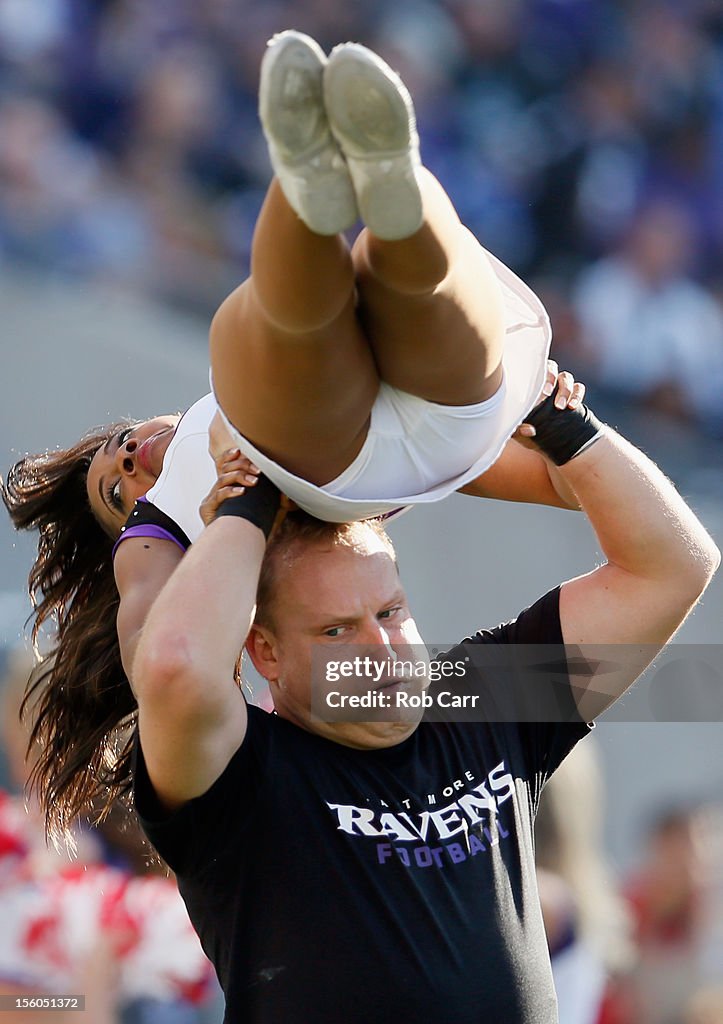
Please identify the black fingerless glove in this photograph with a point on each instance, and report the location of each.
(259, 504)
(563, 433)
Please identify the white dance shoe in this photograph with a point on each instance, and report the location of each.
(371, 115)
(306, 159)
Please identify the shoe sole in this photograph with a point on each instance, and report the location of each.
(371, 115)
(310, 168)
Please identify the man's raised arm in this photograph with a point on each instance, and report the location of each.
(192, 716)
(659, 559)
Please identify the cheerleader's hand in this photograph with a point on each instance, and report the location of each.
(235, 474)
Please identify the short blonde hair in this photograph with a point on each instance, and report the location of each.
(297, 533)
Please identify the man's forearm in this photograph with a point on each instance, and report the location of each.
(525, 475)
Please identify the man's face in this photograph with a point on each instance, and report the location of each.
(335, 602)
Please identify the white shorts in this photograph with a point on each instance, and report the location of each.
(418, 451)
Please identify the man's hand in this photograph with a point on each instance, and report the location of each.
(522, 472)
(235, 474)
(570, 393)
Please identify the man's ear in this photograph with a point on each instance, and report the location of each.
(261, 645)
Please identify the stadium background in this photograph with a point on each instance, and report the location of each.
(131, 171)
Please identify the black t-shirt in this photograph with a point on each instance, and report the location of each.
(331, 885)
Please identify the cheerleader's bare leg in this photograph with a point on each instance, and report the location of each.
(291, 366)
(431, 306)
(430, 303)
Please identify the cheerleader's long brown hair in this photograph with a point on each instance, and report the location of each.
(82, 704)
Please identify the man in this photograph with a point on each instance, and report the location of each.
(381, 870)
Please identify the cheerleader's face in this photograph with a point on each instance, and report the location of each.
(125, 468)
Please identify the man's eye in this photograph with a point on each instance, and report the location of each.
(387, 613)
(334, 631)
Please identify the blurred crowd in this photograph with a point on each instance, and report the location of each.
(581, 141)
(646, 948)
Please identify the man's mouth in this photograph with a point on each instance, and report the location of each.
(394, 683)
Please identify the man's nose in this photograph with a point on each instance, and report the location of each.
(126, 457)
(376, 636)
(387, 643)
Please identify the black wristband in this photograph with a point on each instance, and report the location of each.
(259, 504)
(563, 433)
